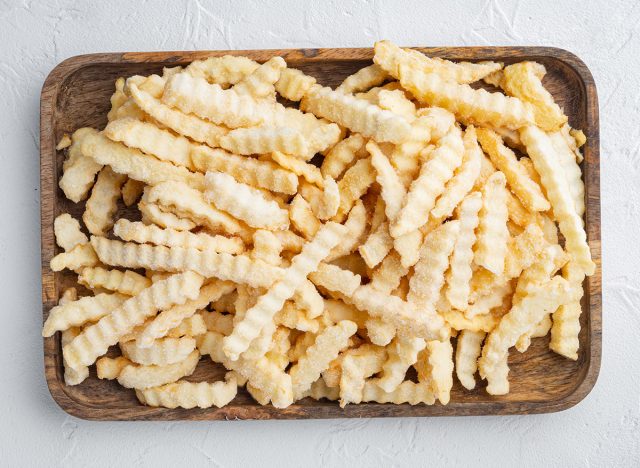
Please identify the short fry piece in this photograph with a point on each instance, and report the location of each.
(259, 83)
(188, 395)
(468, 351)
(353, 185)
(67, 232)
(126, 282)
(162, 352)
(402, 354)
(363, 79)
(79, 170)
(340, 157)
(131, 191)
(393, 190)
(334, 278)
(102, 204)
(141, 377)
(302, 217)
(293, 84)
(82, 255)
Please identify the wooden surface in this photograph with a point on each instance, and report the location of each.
(76, 94)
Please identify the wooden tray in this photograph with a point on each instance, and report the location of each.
(76, 94)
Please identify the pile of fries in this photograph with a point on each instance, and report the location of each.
(438, 226)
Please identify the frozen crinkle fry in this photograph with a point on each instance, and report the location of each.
(102, 204)
(524, 80)
(544, 157)
(244, 202)
(183, 394)
(492, 234)
(316, 242)
(356, 114)
(125, 282)
(142, 233)
(67, 232)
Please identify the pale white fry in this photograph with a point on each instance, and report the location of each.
(492, 233)
(162, 351)
(330, 200)
(82, 255)
(117, 99)
(566, 319)
(526, 189)
(439, 368)
(342, 155)
(194, 95)
(379, 331)
(151, 140)
(358, 364)
(269, 303)
(260, 140)
(539, 330)
(224, 266)
(141, 377)
(125, 282)
(302, 217)
(152, 213)
(353, 185)
(266, 247)
(544, 157)
(434, 174)
(217, 322)
(356, 225)
(386, 277)
(377, 246)
(141, 233)
(262, 174)
(335, 279)
(393, 190)
(260, 82)
(78, 170)
(226, 70)
(402, 354)
(244, 202)
(183, 394)
(185, 124)
(71, 376)
(407, 392)
(459, 275)
(356, 114)
(299, 167)
(363, 79)
(292, 317)
(468, 350)
(172, 317)
(317, 357)
(67, 232)
(135, 163)
(110, 368)
(463, 179)
(96, 339)
(293, 84)
(428, 276)
(571, 169)
(397, 102)
(102, 204)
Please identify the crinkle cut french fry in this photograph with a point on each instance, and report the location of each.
(185, 124)
(135, 163)
(403, 315)
(379, 331)
(542, 299)
(124, 282)
(259, 83)
(471, 106)
(194, 95)
(71, 376)
(377, 246)
(191, 202)
(110, 368)
(389, 56)
(386, 277)
(317, 357)
(162, 351)
(96, 339)
(191, 326)
(244, 202)
(263, 174)
(492, 234)
(102, 204)
(571, 169)
(217, 322)
(302, 217)
(428, 275)
(358, 364)
(459, 275)
(132, 191)
(353, 184)
(171, 318)
(293, 84)
(141, 377)
(82, 255)
(524, 80)
(544, 157)
(459, 321)
(538, 331)
(255, 140)
(183, 394)
(468, 350)
(407, 392)
(296, 165)
(268, 304)
(340, 157)
(336, 279)
(117, 99)
(363, 79)
(141, 233)
(78, 170)
(393, 190)
(402, 354)
(153, 214)
(266, 247)
(226, 70)
(397, 102)
(292, 317)
(356, 225)
(356, 114)
(67, 232)
(151, 140)
(330, 200)
(236, 268)
(463, 179)
(423, 192)
(549, 261)
(527, 190)
(439, 368)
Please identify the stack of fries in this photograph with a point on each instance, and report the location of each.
(426, 237)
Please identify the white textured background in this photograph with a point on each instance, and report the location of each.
(35, 35)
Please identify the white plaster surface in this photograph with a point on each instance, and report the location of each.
(603, 430)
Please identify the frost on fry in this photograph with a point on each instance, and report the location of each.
(353, 184)
(125, 282)
(67, 232)
(102, 204)
(293, 84)
(492, 234)
(340, 157)
(468, 350)
(363, 79)
(142, 376)
(260, 82)
(162, 351)
(79, 169)
(183, 394)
